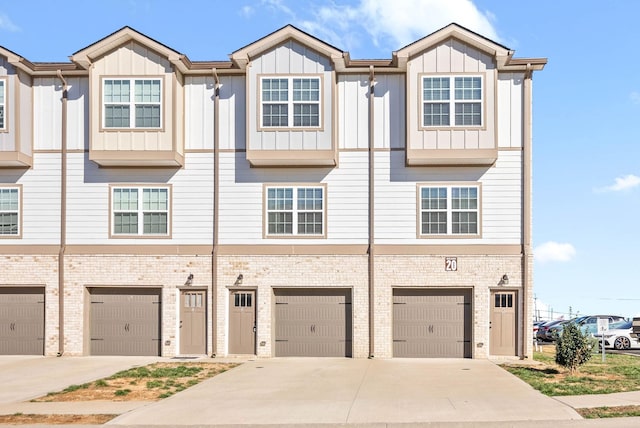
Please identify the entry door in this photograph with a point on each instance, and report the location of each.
(242, 322)
(193, 322)
(503, 323)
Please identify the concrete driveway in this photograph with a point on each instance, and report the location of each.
(352, 391)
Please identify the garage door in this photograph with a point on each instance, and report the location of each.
(21, 321)
(432, 323)
(313, 323)
(125, 321)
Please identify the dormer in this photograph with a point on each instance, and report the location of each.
(136, 100)
(452, 96)
(16, 123)
(291, 99)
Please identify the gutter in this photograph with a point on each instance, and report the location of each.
(63, 214)
(216, 204)
(371, 249)
(526, 211)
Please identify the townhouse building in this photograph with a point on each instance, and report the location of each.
(289, 201)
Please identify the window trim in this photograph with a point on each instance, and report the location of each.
(290, 102)
(5, 85)
(132, 103)
(448, 185)
(452, 101)
(140, 234)
(20, 210)
(294, 186)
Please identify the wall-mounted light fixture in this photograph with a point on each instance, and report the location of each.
(189, 280)
(504, 280)
(239, 280)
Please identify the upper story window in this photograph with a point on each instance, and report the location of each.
(132, 103)
(2, 104)
(140, 211)
(447, 96)
(290, 102)
(449, 210)
(9, 211)
(295, 211)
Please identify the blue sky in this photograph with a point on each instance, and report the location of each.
(586, 101)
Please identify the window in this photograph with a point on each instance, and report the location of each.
(290, 102)
(295, 211)
(460, 96)
(2, 104)
(140, 211)
(132, 103)
(9, 211)
(449, 210)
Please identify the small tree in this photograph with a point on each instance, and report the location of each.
(573, 348)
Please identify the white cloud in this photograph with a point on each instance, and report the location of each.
(247, 11)
(554, 252)
(7, 25)
(635, 97)
(394, 24)
(627, 182)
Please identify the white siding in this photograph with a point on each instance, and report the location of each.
(389, 111)
(199, 105)
(510, 106)
(241, 199)
(26, 114)
(40, 200)
(78, 113)
(353, 111)
(233, 113)
(396, 199)
(88, 201)
(47, 113)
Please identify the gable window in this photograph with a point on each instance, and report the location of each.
(140, 211)
(452, 101)
(290, 102)
(132, 103)
(295, 211)
(2, 104)
(449, 210)
(9, 211)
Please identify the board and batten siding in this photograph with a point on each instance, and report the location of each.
(200, 110)
(396, 199)
(288, 59)
(8, 135)
(241, 199)
(40, 200)
(88, 208)
(510, 109)
(451, 57)
(134, 60)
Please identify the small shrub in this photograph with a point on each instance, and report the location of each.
(154, 384)
(101, 383)
(122, 392)
(76, 387)
(573, 348)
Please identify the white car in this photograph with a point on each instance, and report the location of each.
(619, 336)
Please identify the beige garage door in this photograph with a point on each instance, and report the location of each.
(432, 323)
(313, 322)
(21, 321)
(125, 321)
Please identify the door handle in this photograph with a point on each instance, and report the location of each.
(254, 329)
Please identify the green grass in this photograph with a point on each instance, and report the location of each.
(619, 373)
(122, 392)
(157, 372)
(101, 383)
(609, 412)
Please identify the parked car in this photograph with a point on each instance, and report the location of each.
(536, 325)
(635, 328)
(588, 324)
(541, 335)
(619, 336)
(556, 330)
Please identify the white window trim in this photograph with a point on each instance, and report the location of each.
(3, 104)
(294, 211)
(18, 233)
(452, 101)
(132, 103)
(449, 211)
(140, 211)
(290, 102)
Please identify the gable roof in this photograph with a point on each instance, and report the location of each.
(502, 54)
(243, 56)
(85, 57)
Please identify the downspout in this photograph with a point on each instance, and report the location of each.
(63, 215)
(526, 211)
(216, 200)
(371, 248)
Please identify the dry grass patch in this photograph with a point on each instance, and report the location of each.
(609, 412)
(24, 419)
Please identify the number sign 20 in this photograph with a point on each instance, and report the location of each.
(451, 264)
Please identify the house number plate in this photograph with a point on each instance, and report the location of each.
(450, 264)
